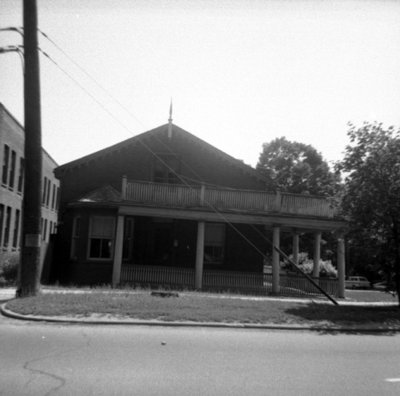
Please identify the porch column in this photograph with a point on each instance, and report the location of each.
(317, 253)
(341, 266)
(119, 241)
(199, 255)
(295, 247)
(275, 260)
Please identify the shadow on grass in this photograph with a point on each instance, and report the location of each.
(377, 320)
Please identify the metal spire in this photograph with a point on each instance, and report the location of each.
(170, 121)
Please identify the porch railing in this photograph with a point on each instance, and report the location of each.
(297, 285)
(158, 275)
(243, 282)
(225, 199)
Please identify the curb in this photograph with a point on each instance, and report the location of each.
(138, 322)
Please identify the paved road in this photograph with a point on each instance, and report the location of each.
(51, 359)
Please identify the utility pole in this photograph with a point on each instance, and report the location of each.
(30, 268)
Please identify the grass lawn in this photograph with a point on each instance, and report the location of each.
(371, 295)
(205, 308)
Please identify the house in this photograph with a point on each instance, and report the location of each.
(12, 142)
(165, 207)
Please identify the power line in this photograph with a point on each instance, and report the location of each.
(91, 78)
(111, 96)
(116, 101)
(19, 49)
(181, 179)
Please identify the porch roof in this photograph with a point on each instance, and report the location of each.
(300, 223)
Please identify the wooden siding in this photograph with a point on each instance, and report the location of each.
(181, 196)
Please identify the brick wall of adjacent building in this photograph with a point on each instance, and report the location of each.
(11, 186)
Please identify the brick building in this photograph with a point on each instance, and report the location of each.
(12, 185)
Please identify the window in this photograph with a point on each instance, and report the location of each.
(52, 228)
(16, 229)
(6, 157)
(53, 199)
(44, 190)
(44, 234)
(7, 227)
(48, 190)
(214, 240)
(128, 239)
(76, 233)
(21, 174)
(166, 167)
(101, 237)
(1, 223)
(57, 197)
(12, 170)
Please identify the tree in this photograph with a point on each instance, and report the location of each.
(371, 197)
(297, 168)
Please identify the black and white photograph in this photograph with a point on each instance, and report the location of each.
(199, 197)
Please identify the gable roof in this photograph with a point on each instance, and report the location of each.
(158, 132)
(103, 194)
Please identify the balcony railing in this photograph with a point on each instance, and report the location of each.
(180, 196)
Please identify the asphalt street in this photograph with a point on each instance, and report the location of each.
(53, 359)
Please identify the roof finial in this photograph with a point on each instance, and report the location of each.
(170, 121)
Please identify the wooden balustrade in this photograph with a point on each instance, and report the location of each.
(300, 286)
(183, 196)
(157, 275)
(213, 280)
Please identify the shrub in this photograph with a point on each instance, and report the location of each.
(326, 269)
(9, 263)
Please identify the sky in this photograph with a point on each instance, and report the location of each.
(240, 73)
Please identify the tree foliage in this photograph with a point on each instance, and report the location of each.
(296, 168)
(371, 197)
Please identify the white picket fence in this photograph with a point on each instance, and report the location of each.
(215, 280)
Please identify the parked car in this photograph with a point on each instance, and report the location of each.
(385, 286)
(357, 282)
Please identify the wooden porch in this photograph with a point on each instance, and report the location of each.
(279, 212)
